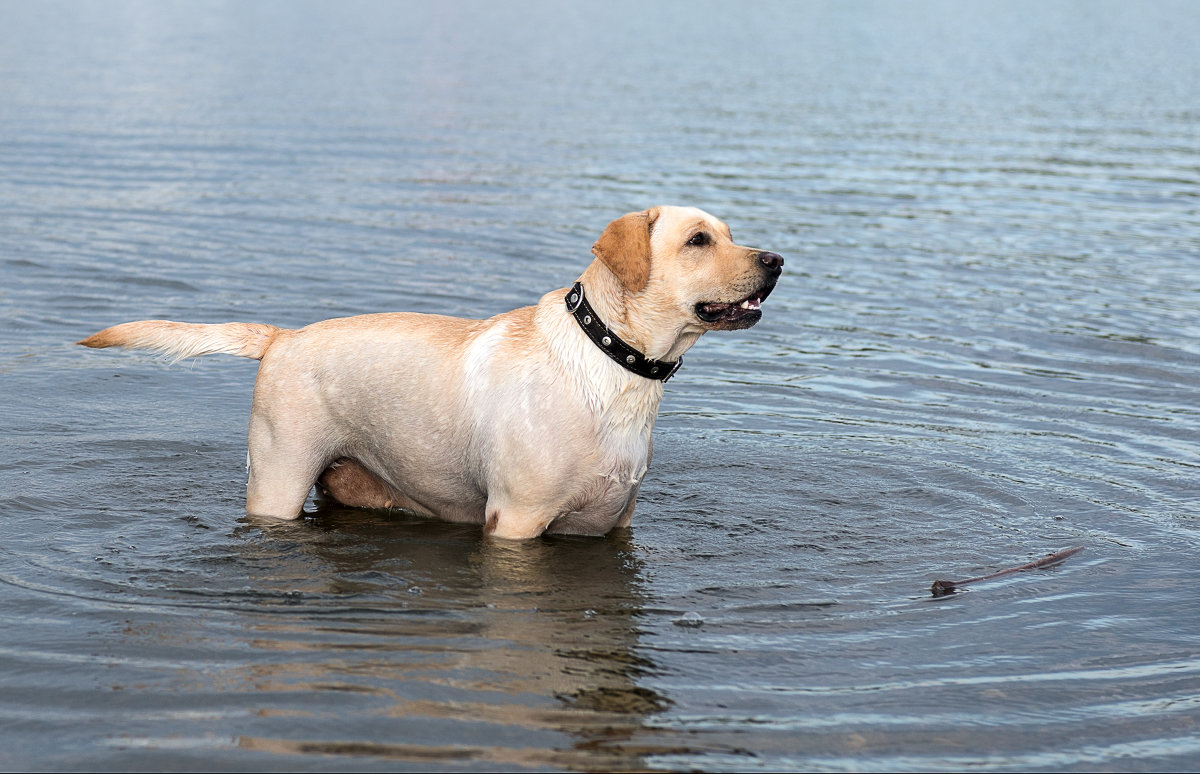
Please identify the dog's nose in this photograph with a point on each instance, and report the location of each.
(773, 261)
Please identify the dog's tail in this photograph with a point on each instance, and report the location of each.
(179, 340)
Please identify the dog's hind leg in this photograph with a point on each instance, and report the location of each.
(283, 468)
(277, 489)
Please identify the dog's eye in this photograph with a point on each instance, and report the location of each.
(698, 240)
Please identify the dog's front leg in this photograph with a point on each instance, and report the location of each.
(514, 522)
(627, 515)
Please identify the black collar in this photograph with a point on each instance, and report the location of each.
(610, 343)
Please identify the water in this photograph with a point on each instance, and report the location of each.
(983, 349)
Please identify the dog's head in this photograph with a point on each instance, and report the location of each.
(684, 260)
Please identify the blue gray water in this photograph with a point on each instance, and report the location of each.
(985, 347)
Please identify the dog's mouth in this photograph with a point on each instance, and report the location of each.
(732, 315)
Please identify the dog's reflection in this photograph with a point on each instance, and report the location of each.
(490, 643)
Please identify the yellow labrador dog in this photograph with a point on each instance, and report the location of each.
(537, 420)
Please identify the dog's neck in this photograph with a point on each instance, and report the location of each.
(612, 345)
(656, 339)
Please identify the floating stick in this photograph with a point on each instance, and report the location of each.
(943, 587)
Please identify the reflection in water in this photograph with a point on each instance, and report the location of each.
(470, 638)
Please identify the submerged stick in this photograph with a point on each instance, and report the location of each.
(943, 587)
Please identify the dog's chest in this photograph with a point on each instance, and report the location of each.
(623, 459)
(627, 462)
(623, 435)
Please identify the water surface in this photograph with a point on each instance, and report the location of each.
(983, 349)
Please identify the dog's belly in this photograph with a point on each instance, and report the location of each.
(349, 482)
(595, 510)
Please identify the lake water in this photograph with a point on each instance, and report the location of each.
(985, 347)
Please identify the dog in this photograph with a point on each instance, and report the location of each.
(536, 420)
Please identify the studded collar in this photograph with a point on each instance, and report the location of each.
(611, 344)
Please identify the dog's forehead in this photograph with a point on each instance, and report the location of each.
(677, 220)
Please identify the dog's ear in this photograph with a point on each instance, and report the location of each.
(624, 247)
